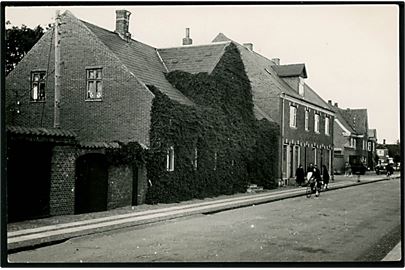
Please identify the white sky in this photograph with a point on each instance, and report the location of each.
(351, 52)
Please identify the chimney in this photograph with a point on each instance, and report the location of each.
(330, 102)
(276, 61)
(187, 40)
(383, 141)
(336, 105)
(249, 46)
(122, 23)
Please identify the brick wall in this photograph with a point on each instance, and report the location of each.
(119, 186)
(62, 194)
(124, 112)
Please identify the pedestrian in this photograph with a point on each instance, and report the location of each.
(300, 175)
(325, 176)
(347, 168)
(318, 179)
(310, 171)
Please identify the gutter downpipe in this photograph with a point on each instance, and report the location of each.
(282, 96)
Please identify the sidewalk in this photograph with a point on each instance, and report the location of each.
(45, 231)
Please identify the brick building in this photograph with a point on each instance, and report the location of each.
(351, 141)
(111, 88)
(306, 121)
(371, 148)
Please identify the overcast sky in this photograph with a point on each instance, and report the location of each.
(351, 52)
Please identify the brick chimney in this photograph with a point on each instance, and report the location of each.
(276, 61)
(330, 102)
(248, 46)
(187, 40)
(383, 141)
(122, 23)
(336, 105)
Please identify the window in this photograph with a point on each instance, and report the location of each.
(327, 125)
(195, 164)
(38, 85)
(353, 142)
(301, 87)
(364, 145)
(94, 84)
(293, 116)
(306, 120)
(369, 148)
(170, 159)
(316, 120)
(215, 160)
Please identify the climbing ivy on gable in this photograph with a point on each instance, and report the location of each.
(221, 125)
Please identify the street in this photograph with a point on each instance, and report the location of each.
(360, 223)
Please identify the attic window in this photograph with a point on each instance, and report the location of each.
(198, 60)
(38, 85)
(94, 84)
(208, 54)
(175, 61)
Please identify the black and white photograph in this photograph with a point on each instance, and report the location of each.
(202, 134)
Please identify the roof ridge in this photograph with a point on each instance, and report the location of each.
(113, 32)
(194, 46)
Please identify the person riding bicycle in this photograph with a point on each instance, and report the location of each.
(316, 180)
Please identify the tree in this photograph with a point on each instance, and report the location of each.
(19, 40)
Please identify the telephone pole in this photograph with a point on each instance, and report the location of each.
(56, 122)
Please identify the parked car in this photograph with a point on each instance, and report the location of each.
(381, 168)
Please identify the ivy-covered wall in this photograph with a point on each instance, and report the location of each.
(233, 148)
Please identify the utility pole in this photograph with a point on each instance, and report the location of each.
(56, 122)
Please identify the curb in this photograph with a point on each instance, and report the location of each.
(58, 233)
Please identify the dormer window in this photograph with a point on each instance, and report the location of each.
(301, 86)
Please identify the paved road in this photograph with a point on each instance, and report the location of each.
(353, 224)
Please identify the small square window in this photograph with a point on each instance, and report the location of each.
(94, 84)
(38, 85)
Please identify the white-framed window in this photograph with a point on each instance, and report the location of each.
(306, 120)
(353, 142)
(364, 145)
(38, 79)
(195, 160)
(316, 122)
(170, 159)
(327, 125)
(369, 146)
(215, 160)
(293, 116)
(301, 87)
(94, 82)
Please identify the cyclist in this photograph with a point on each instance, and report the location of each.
(317, 180)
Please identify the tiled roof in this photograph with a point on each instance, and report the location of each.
(357, 119)
(339, 116)
(48, 132)
(263, 69)
(99, 145)
(260, 114)
(372, 133)
(291, 70)
(193, 59)
(141, 59)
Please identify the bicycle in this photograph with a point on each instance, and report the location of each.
(311, 189)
